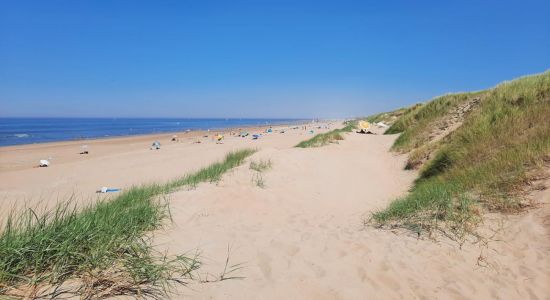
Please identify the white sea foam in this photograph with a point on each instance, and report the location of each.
(21, 135)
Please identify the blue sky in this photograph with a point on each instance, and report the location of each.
(258, 58)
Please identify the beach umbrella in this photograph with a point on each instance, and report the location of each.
(364, 125)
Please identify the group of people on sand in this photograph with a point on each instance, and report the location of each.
(218, 138)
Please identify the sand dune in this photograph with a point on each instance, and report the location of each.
(302, 235)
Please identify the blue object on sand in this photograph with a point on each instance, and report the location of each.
(255, 136)
(108, 190)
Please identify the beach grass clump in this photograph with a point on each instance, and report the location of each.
(261, 166)
(326, 138)
(258, 180)
(487, 162)
(101, 250)
(322, 139)
(214, 172)
(377, 117)
(432, 205)
(392, 116)
(349, 126)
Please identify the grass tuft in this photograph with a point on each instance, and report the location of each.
(258, 180)
(326, 138)
(260, 166)
(105, 247)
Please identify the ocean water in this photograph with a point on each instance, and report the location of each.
(18, 131)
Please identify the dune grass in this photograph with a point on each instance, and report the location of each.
(326, 138)
(486, 163)
(391, 116)
(377, 117)
(104, 247)
(260, 166)
(414, 123)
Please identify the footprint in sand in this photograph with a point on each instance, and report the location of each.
(289, 249)
(319, 272)
(362, 273)
(342, 253)
(264, 263)
(292, 250)
(389, 282)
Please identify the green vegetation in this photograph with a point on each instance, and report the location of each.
(258, 180)
(104, 248)
(326, 138)
(392, 116)
(213, 172)
(377, 118)
(415, 122)
(503, 143)
(261, 165)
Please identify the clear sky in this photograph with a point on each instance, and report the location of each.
(233, 58)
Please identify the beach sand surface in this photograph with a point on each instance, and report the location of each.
(302, 235)
(121, 162)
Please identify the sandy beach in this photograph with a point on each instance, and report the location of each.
(300, 236)
(121, 162)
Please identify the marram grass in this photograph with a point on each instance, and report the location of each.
(261, 165)
(104, 246)
(326, 138)
(501, 146)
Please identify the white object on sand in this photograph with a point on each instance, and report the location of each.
(44, 163)
(84, 149)
(105, 189)
(381, 124)
(155, 145)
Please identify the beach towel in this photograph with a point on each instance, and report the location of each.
(108, 190)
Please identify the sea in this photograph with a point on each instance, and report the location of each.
(20, 131)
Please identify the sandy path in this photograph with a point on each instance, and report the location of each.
(302, 237)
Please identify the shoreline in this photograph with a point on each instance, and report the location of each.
(21, 157)
(184, 133)
(122, 162)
